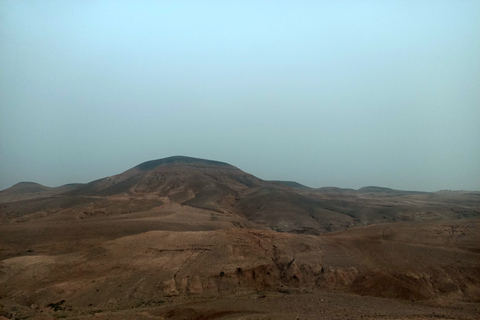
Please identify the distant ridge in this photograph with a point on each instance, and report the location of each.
(33, 190)
(335, 190)
(292, 184)
(375, 189)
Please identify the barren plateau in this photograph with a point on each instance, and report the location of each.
(186, 238)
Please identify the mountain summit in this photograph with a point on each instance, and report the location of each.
(152, 164)
(196, 182)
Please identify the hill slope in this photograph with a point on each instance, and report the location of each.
(158, 265)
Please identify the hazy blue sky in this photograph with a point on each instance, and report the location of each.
(326, 93)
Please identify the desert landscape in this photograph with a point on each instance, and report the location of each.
(239, 160)
(188, 238)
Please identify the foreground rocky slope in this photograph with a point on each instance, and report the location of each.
(438, 261)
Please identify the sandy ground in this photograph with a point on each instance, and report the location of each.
(266, 305)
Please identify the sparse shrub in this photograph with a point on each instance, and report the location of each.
(284, 291)
(56, 306)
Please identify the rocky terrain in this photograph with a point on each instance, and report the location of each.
(186, 238)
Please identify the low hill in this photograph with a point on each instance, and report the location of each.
(25, 187)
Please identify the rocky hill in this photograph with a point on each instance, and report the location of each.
(180, 230)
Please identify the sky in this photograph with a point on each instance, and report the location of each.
(325, 93)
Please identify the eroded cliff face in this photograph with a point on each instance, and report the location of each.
(158, 264)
